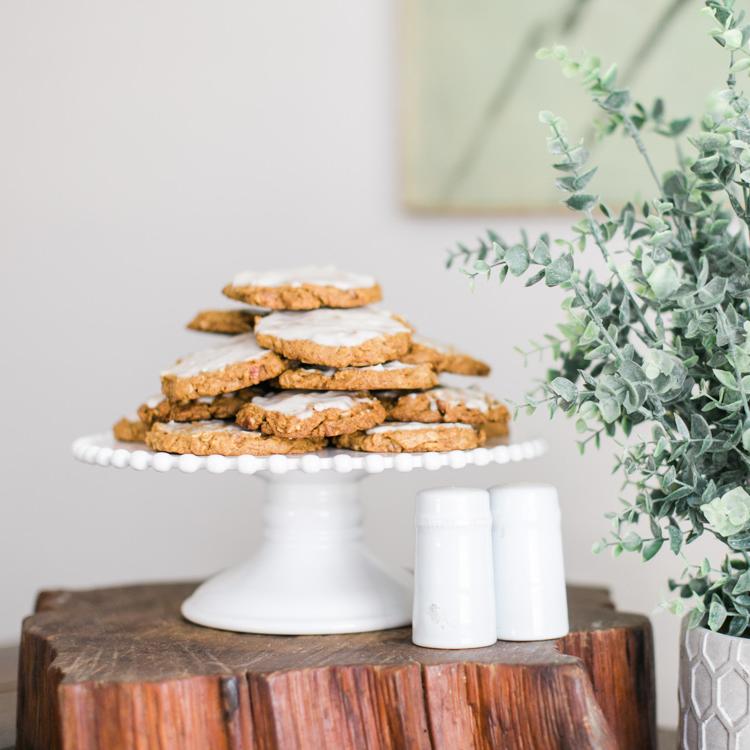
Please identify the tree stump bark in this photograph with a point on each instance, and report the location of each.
(118, 668)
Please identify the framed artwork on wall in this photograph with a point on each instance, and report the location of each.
(473, 88)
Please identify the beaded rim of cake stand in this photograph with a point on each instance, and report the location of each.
(103, 450)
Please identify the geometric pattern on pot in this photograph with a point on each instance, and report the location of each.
(714, 691)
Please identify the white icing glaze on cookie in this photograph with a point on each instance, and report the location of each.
(471, 398)
(384, 367)
(198, 428)
(241, 348)
(295, 277)
(327, 327)
(399, 426)
(303, 404)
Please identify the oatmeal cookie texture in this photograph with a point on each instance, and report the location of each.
(297, 414)
(223, 438)
(336, 338)
(444, 358)
(305, 358)
(414, 437)
(235, 364)
(304, 288)
(129, 430)
(446, 404)
(223, 406)
(223, 321)
(496, 429)
(389, 375)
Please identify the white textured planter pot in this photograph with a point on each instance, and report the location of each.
(714, 691)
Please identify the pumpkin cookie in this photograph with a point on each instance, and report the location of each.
(223, 321)
(130, 430)
(215, 437)
(335, 338)
(390, 375)
(296, 414)
(413, 437)
(444, 358)
(445, 404)
(304, 288)
(223, 406)
(237, 363)
(495, 429)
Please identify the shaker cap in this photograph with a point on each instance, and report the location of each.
(448, 506)
(528, 503)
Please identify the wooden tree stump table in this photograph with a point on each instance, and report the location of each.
(119, 668)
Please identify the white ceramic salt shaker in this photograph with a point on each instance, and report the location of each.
(454, 600)
(530, 599)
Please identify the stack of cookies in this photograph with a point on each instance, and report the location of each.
(310, 362)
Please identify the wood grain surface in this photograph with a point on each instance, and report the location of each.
(119, 668)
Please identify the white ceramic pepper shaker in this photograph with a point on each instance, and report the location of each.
(454, 600)
(530, 598)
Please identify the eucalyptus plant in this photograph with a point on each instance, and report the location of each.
(657, 350)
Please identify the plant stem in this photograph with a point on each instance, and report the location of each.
(632, 131)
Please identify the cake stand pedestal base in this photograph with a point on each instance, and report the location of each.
(312, 572)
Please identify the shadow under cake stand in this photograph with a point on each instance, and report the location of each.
(312, 573)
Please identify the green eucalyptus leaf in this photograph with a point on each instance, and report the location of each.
(610, 409)
(565, 389)
(675, 184)
(517, 259)
(738, 625)
(536, 278)
(559, 271)
(675, 538)
(632, 542)
(713, 292)
(706, 165)
(584, 180)
(664, 279)
(694, 619)
(581, 201)
(717, 613)
(651, 548)
(677, 127)
(540, 254)
(617, 99)
(727, 379)
(743, 583)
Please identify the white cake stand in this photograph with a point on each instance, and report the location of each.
(312, 572)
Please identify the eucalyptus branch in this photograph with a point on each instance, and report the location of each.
(599, 241)
(601, 244)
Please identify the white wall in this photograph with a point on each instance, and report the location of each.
(147, 151)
